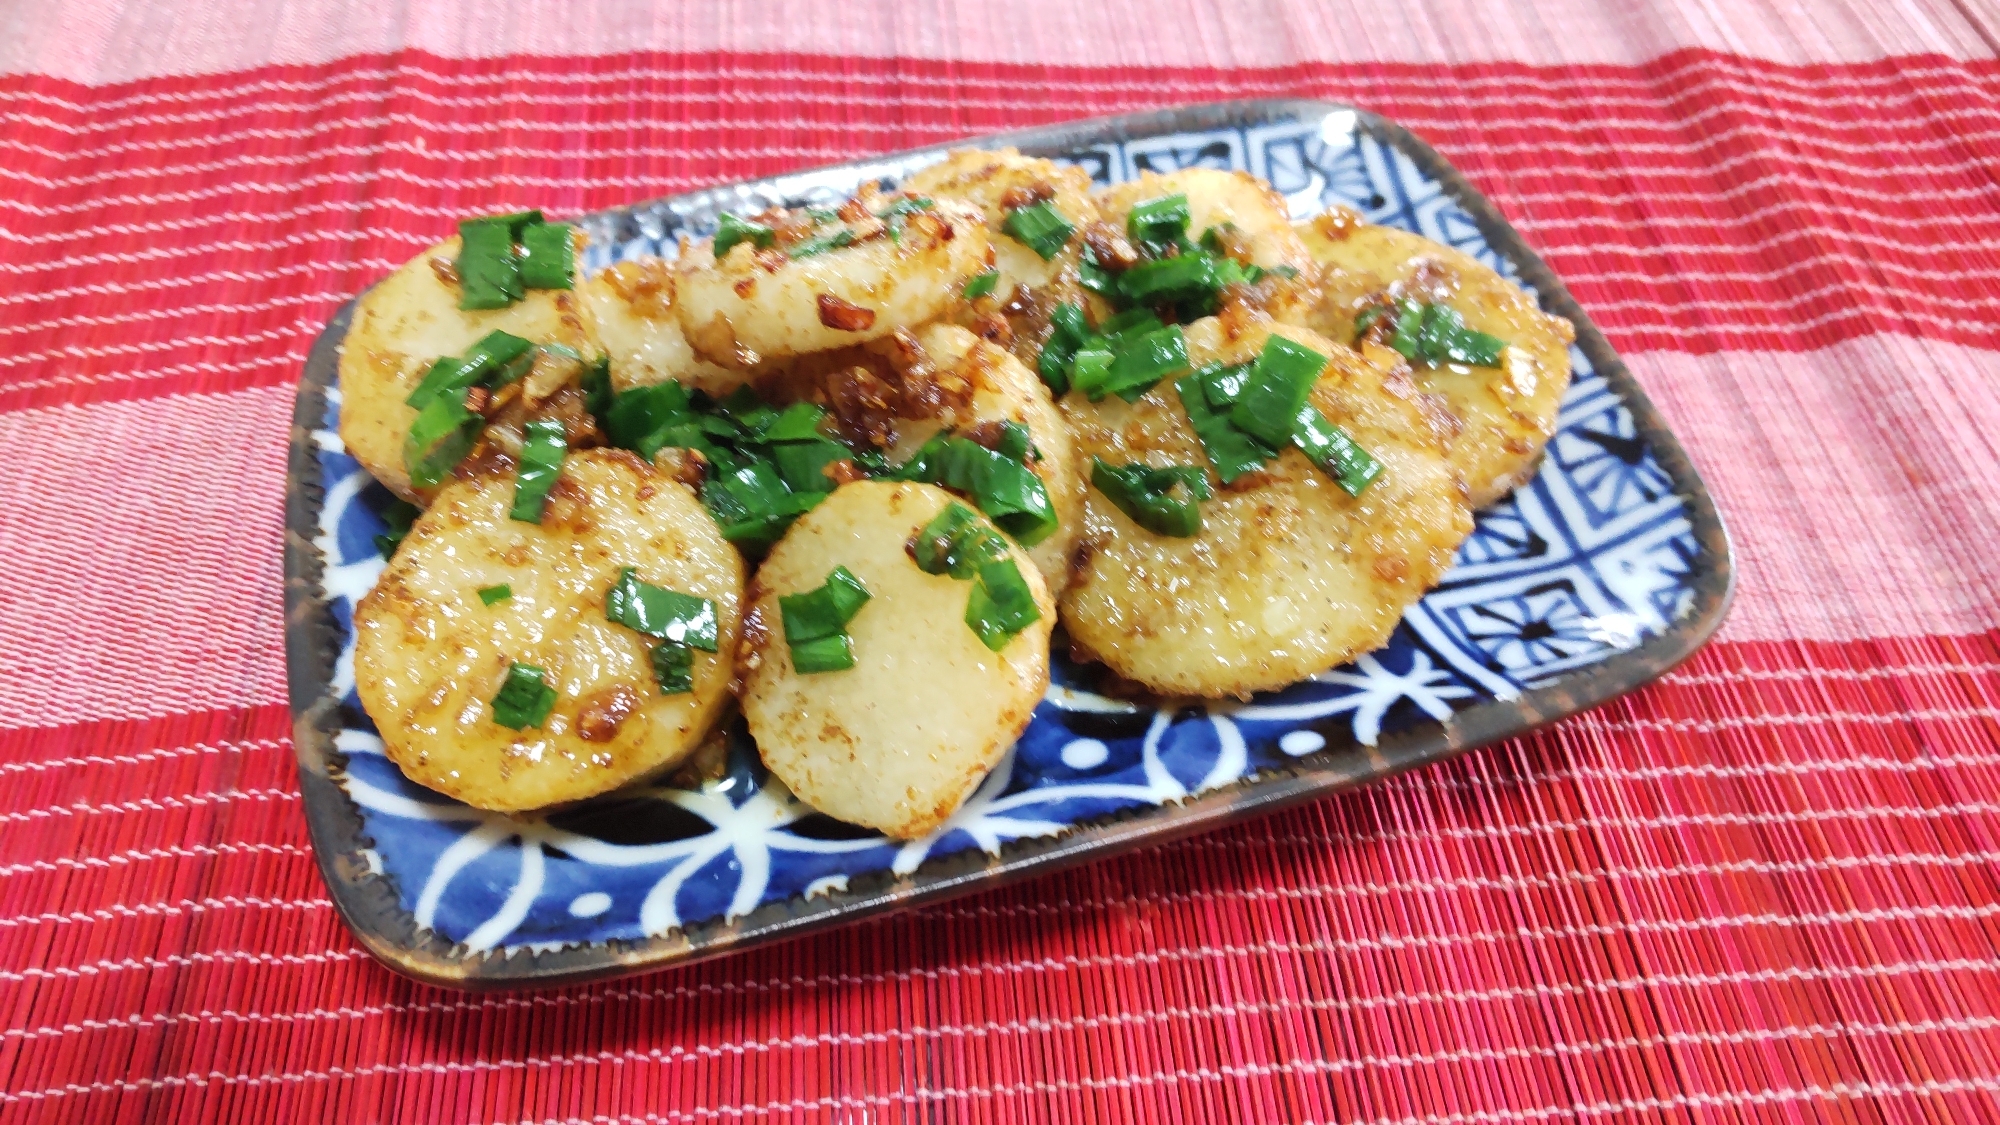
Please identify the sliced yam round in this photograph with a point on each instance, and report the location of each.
(430, 655)
(897, 742)
(1005, 391)
(1289, 575)
(631, 306)
(1248, 216)
(1506, 414)
(755, 305)
(409, 320)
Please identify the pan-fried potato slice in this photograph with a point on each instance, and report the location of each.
(897, 742)
(1005, 391)
(631, 304)
(1287, 577)
(755, 305)
(997, 182)
(1506, 414)
(404, 323)
(430, 656)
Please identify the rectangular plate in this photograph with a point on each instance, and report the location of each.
(1601, 574)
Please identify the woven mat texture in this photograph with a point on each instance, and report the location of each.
(1766, 888)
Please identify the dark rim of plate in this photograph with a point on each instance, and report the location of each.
(367, 900)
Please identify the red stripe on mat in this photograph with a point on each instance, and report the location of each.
(1764, 885)
(174, 240)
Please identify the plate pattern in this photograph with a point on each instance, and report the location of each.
(1592, 557)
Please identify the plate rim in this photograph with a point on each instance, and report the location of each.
(365, 898)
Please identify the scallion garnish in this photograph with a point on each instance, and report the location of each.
(1157, 224)
(596, 386)
(1283, 375)
(955, 543)
(396, 521)
(443, 433)
(982, 285)
(908, 205)
(492, 594)
(1409, 323)
(837, 240)
(1015, 442)
(673, 667)
(731, 230)
(542, 450)
(1143, 361)
(1230, 451)
(1068, 330)
(1146, 494)
(1164, 281)
(659, 612)
(1093, 276)
(797, 422)
(550, 262)
(489, 275)
(824, 610)
(524, 699)
(1000, 604)
(1040, 227)
(827, 654)
(1367, 319)
(816, 622)
(497, 359)
(1351, 467)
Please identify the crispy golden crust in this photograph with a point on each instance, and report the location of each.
(430, 656)
(1289, 576)
(1506, 414)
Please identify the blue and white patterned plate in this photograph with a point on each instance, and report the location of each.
(1607, 569)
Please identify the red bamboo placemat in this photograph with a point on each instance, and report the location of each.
(1765, 888)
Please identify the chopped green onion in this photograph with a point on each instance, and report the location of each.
(1159, 223)
(1284, 271)
(822, 214)
(752, 505)
(799, 422)
(1068, 331)
(731, 230)
(954, 542)
(551, 259)
(1093, 276)
(908, 205)
(824, 611)
(1040, 228)
(743, 406)
(542, 452)
(1130, 323)
(643, 411)
(524, 699)
(1142, 362)
(1009, 492)
(1001, 604)
(1146, 495)
(1444, 336)
(396, 521)
(982, 285)
(1187, 277)
(1224, 385)
(1367, 319)
(673, 667)
(497, 359)
(1409, 322)
(1230, 451)
(812, 246)
(827, 654)
(492, 594)
(443, 433)
(489, 275)
(1329, 447)
(515, 221)
(658, 612)
(1279, 381)
(1088, 370)
(1015, 442)
(803, 463)
(596, 384)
